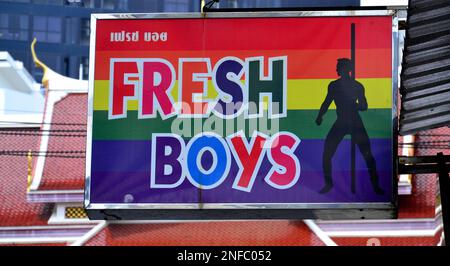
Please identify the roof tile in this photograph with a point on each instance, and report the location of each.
(229, 233)
(14, 208)
(67, 173)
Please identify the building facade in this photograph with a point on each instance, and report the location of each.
(62, 26)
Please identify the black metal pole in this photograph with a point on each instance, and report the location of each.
(444, 187)
(353, 144)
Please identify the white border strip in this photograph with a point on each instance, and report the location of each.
(180, 15)
(81, 241)
(37, 240)
(386, 233)
(47, 227)
(319, 233)
(52, 98)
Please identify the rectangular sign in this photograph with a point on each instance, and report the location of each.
(269, 116)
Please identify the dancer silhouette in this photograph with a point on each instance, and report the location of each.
(348, 96)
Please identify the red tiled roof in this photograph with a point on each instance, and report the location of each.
(232, 233)
(422, 202)
(64, 173)
(433, 141)
(14, 208)
(388, 241)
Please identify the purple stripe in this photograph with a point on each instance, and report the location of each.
(134, 155)
(126, 187)
(128, 180)
(107, 187)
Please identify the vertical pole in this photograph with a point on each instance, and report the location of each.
(353, 144)
(353, 50)
(444, 187)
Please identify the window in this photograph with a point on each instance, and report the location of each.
(47, 29)
(81, 3)
(14, 27)
(85, 3)
(100, 4)
(85, 67)
(74, 2)
(85, 31)
(122, 4)
(18, 1)
(48, 2)
(176, 5)
(108, 4)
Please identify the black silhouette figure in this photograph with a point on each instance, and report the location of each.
(348, 96)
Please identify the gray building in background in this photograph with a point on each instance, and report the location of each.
(62, 26)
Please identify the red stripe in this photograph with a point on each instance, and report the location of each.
(250, 33)
(302, 64)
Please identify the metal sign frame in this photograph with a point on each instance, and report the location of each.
(208, 211)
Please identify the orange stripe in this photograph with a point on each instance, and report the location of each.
(302, 64)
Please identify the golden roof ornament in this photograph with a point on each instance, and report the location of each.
(53, 81)
(30, 170)
(38, 63)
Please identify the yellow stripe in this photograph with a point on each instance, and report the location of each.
(310, 93)
(302, 93)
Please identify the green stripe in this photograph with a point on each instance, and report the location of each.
(300, 122)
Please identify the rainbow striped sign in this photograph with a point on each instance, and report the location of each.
(245, 111)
